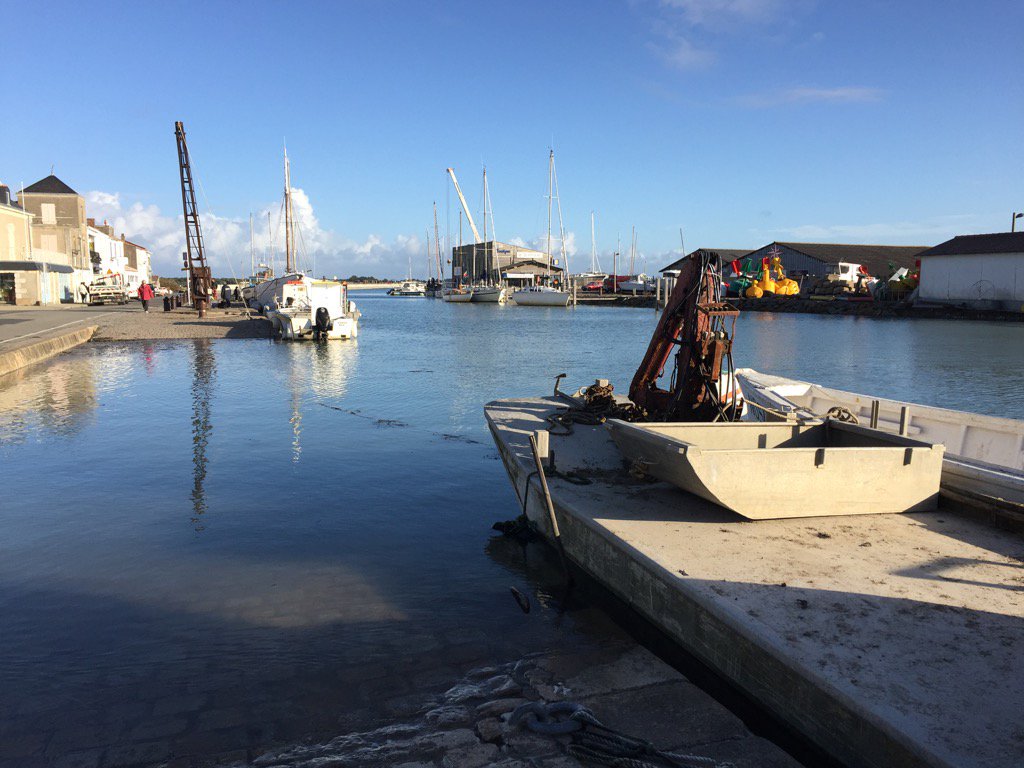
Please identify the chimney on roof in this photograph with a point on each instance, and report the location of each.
(5, 194)
(91, 222)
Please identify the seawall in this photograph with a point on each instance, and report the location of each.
(38, 350)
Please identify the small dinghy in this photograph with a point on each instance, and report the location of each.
(984, 457)
(800, 469)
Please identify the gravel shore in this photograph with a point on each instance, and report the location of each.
(181, 324)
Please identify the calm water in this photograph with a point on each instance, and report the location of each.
(247, 541)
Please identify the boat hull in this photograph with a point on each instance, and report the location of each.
(984, 454)
(458, 298)
(541, 298)
(487, 295)
(797, 469)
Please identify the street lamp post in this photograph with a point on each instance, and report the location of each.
(1013, 221)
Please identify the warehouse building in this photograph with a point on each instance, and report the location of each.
(977, 271)
(488, 262)
(816, 259)
(726, 254)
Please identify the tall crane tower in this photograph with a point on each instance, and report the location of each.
(199, 277)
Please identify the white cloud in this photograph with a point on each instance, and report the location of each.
(925, 232)
(227, 239)
(807, 95)
(680, 52)
(684, 30)
(714, 12)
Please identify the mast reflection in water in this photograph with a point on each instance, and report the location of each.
(204, 370)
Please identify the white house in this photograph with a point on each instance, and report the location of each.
(106, 250)
(979, 271)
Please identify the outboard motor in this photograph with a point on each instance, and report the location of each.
(323, 322)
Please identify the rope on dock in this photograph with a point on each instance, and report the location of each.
(595, 743)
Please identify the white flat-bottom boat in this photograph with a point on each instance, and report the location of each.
(984, 454)
(541, 296)
(798, 469)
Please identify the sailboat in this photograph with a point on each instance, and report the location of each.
(545, 295)
(298, 306)
(458, 294)
(488, 293)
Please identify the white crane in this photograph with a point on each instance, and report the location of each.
(465, 207)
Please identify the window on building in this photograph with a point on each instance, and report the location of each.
(10, 242)
(49, 211)
(48, 242)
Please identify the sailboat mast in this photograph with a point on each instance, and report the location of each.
(551, 165)
(485, 222)
(632, 251)
(593, 246)
(252, 248)
(288, 244)
(437, 247)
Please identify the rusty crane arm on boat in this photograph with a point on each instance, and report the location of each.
(696, 324)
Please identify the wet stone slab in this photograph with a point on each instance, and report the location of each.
(469, 724)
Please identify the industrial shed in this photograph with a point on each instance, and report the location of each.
(726, 254)
(815, 259)
(978, 271)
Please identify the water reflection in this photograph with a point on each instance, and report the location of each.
(56, 398)
(204, 370)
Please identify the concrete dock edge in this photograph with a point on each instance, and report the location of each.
(38, 350)
(809, 705)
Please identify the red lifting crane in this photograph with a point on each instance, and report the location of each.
(199, 277)
(696, 323)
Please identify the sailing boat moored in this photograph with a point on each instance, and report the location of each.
(545, 295)
(298, 306)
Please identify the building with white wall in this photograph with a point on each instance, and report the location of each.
(106, 251)
(978, 271)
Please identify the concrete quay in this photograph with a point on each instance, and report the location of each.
(886, 640)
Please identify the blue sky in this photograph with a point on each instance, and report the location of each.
(742, 121)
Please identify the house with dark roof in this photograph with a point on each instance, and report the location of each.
(727, 254)
(27, 277)
(59, 231)
(816, 259)
(978, 271)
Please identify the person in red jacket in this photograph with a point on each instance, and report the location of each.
(145, 294)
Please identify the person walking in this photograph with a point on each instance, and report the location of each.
(145, 296)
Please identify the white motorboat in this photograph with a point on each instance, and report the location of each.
(487, 294)
(637, 284)
(984, 454)
(409, 289)
(541, 296)
(298, 306)
(314, 309)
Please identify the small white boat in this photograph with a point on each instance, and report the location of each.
(314, 309)
(458, 295)
(487, 294)
(637, 284)
(541, 296)
(409, 289)
(798, 469)
(984, 454)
